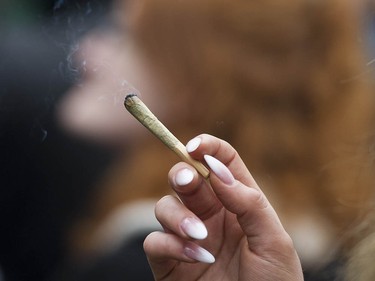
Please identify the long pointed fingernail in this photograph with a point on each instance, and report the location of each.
(220, 170)
(193, 144)
(194, 228)
(197, 253)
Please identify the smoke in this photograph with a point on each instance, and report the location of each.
(74, 22)
(86, 67)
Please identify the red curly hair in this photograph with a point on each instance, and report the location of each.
(276, 79)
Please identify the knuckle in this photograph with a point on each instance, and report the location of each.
(257, 198)
(284, 244)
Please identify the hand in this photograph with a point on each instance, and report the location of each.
(227, 215)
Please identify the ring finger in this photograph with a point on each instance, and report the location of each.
(176, 218)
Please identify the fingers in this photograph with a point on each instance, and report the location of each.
(165, 250)
(195, 192)
(176, 218)
(209, 145)
(161, 247)
(238, 192)
(230, 204)
(254, 212)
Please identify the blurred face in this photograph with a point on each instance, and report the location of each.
(109, 68)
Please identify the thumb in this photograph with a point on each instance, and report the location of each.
(255, 214)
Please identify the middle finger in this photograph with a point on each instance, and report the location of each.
(194, 191)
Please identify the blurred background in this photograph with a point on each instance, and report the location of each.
(79, 177)
(47, 175)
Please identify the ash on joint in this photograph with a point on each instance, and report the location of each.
(130, 95)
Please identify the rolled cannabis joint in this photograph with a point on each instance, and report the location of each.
(141, 112)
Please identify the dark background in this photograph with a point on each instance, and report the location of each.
(46, 175)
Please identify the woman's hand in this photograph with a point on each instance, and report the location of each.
(221, 229)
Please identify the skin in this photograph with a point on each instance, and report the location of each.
(244, 232)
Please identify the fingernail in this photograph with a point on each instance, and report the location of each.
(197, 253)
(184, 177)
(193, 144)
(220, 170)
(194, 228)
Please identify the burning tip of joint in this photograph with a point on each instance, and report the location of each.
(130, 95)
(130, 100)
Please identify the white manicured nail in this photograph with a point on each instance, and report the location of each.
(194, 228)
(220, 170)
(197, 253)
(184, 177)
(193, 144)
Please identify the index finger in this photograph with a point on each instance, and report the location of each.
(194, 191)
(237, 190)
(224, 152)
(198, 195)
